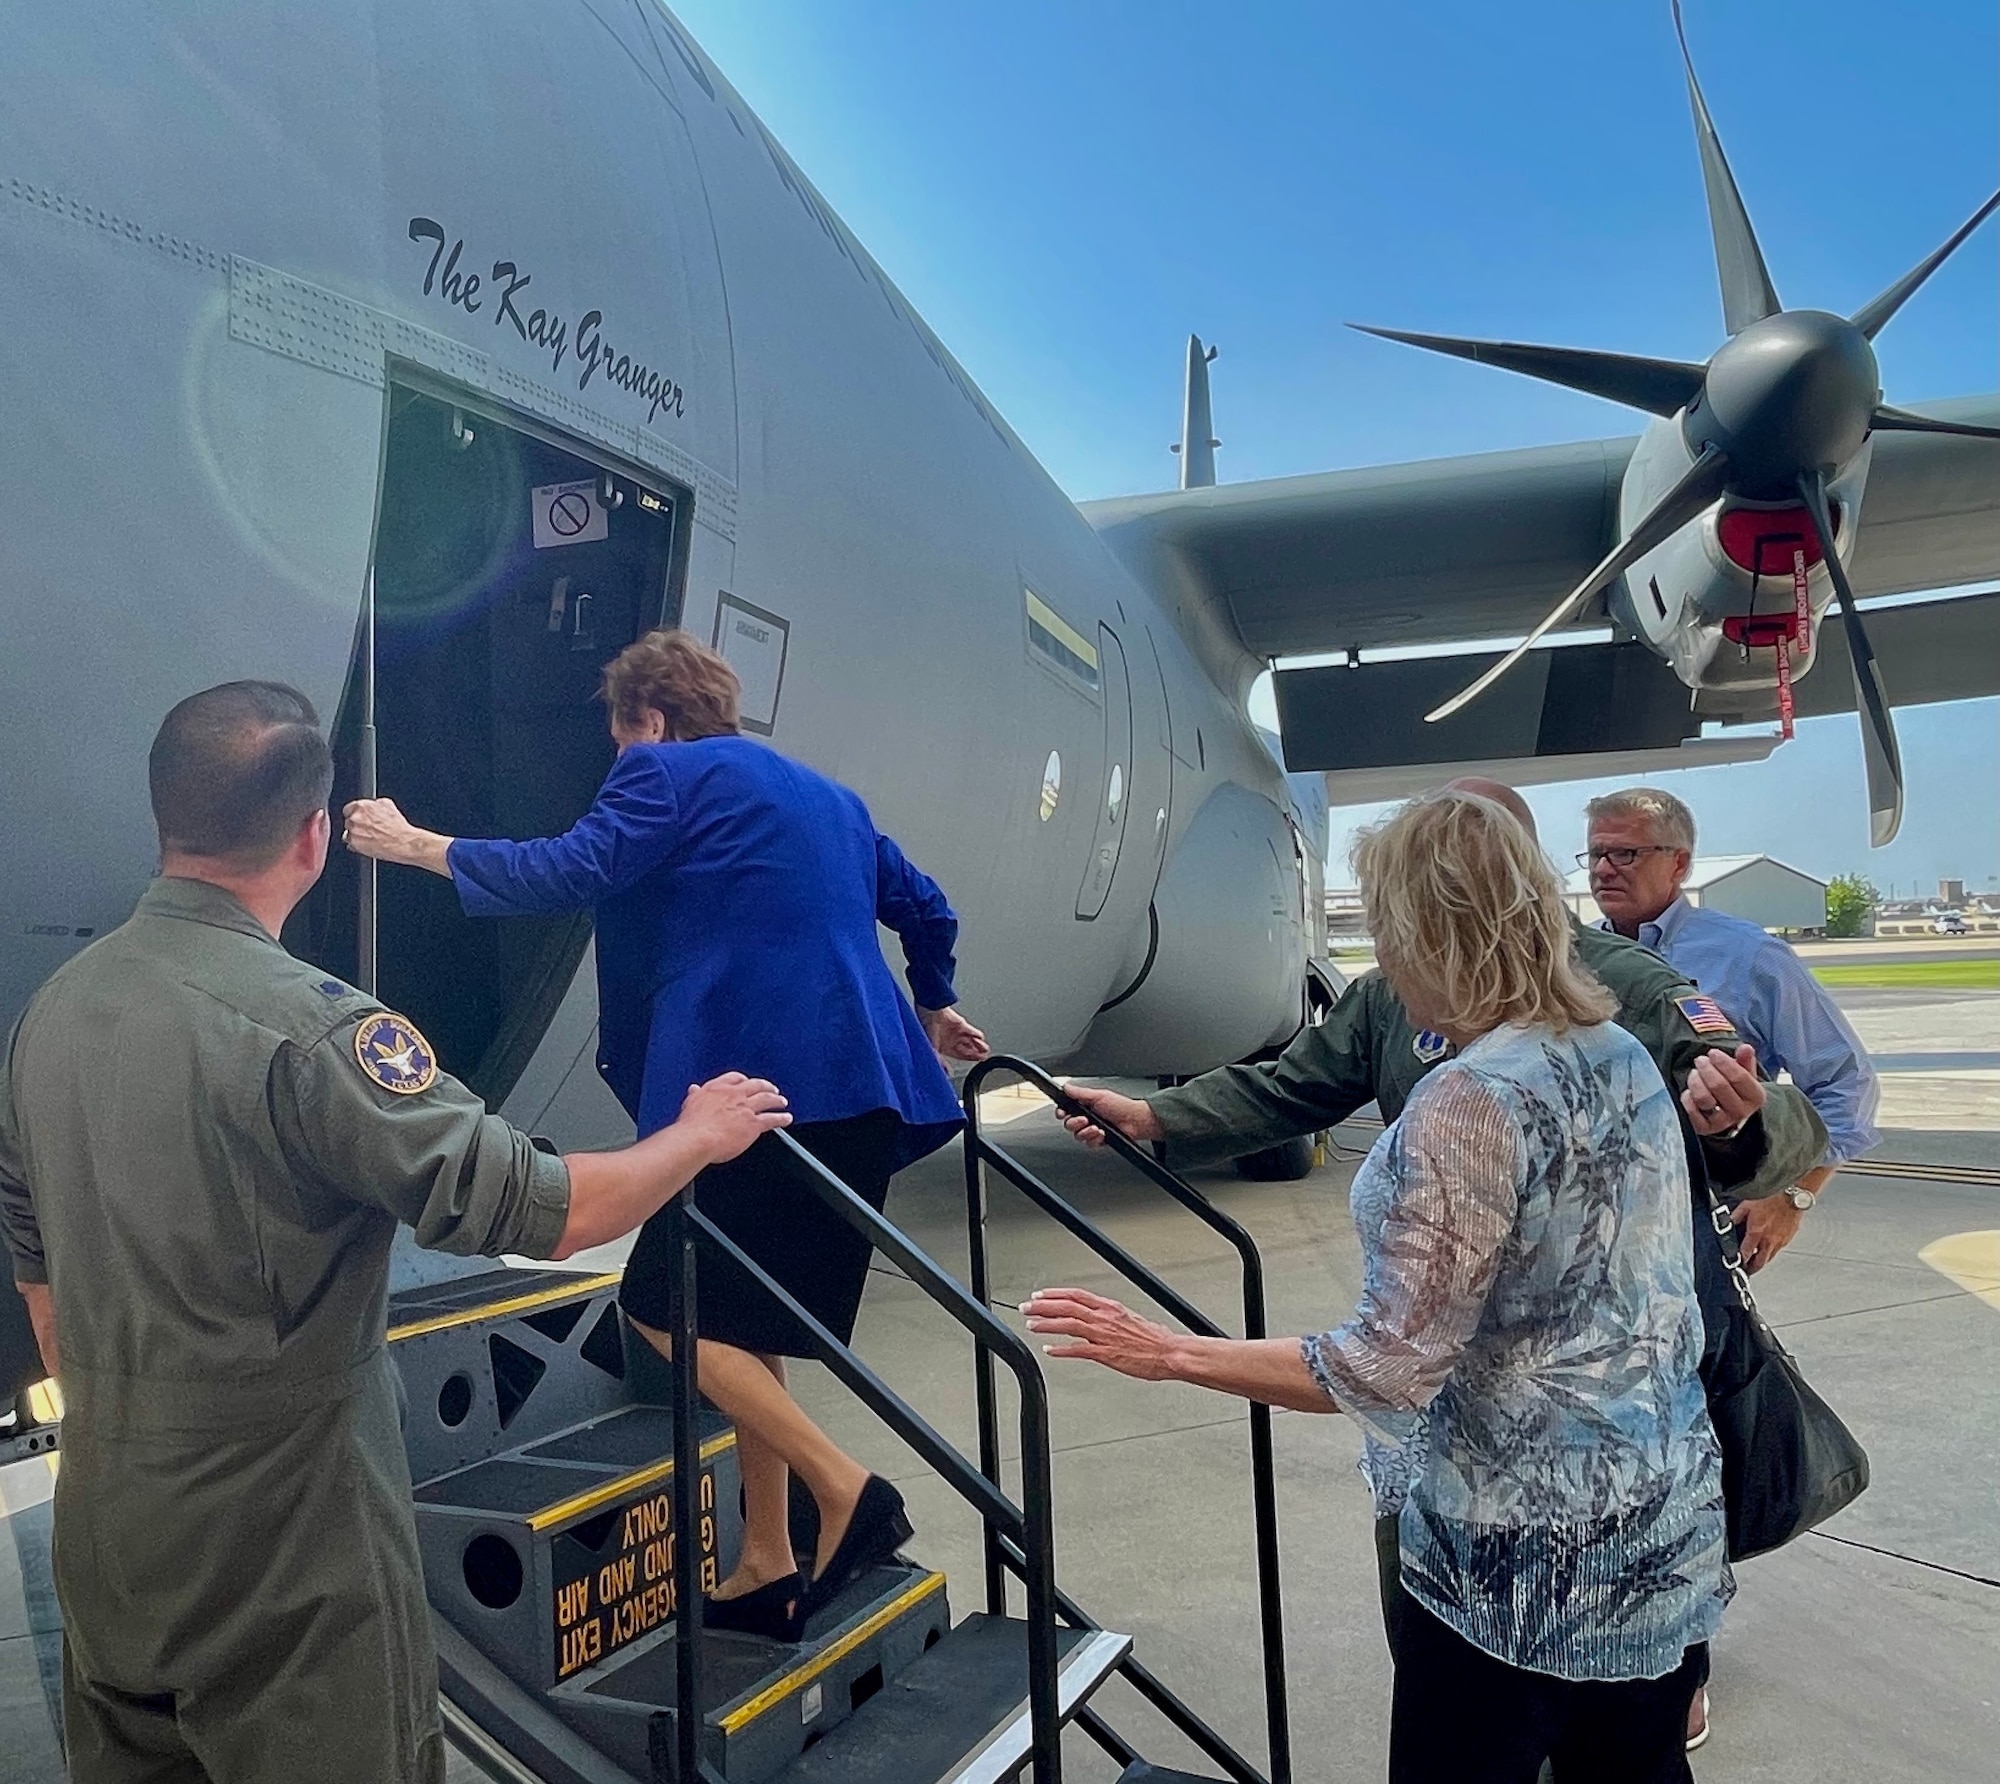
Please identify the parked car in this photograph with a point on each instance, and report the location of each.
(1948, 923)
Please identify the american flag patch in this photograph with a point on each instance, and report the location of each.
(1705, 1015)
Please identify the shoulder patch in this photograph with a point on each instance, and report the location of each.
(393, 1052)
(1705, 1015)
(1430, 1046)
(331, 988)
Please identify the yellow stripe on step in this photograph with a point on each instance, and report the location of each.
(807, 1671)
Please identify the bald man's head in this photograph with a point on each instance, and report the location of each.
(1501, 794)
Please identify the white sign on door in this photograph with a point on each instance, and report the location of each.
(753, 643)
(567, 514)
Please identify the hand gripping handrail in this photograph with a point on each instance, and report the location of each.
(1028, 1529)
(979, 1150)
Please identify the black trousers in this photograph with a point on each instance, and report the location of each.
(1462, 1717)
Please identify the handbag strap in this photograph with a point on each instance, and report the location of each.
(1725, 1238)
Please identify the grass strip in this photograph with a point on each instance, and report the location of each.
(1925, 975)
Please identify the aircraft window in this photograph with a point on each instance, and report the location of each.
(1051, 786)
(1061, 645)
(1115, 795)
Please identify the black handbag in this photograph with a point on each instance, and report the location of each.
(1788, 1462)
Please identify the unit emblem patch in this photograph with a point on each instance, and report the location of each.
(1430, 1046)
(395, 1054)
(1705, 1015)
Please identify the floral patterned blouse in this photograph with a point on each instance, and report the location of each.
(1523, 1359)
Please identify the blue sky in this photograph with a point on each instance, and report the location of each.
(1065, 190)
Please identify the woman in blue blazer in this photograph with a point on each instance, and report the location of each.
(736, 895)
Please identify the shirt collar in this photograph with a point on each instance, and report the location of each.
(1663, 928)
(199, 901)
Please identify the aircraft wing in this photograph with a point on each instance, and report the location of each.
(1478, 547)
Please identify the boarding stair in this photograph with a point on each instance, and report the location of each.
(555, 1459)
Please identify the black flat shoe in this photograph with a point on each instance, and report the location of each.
(879, 1527)
(775, 1611)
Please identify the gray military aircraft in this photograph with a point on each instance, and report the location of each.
(424, 355)
(518, 317)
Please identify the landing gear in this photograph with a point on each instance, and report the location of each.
(1284, 1163)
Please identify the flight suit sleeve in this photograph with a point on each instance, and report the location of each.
(1320, 1079)
(1775, 1147)
(463, 1180)
(17, 1202)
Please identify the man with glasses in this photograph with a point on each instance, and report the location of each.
(1641, 848)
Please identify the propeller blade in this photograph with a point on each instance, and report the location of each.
(1879, 751)
(1659, 386)
(1872, 318)
(1902, 421)
(1747, 292)
(1701, 484)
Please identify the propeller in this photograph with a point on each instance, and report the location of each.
(1747, 292)
(1701, 484)
(1880, 753)
(1779, 410)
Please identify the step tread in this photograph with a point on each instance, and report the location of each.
(739, 1670)
(1140, 1772)
(559, 1477)
(493, 1294)
(959, 1713)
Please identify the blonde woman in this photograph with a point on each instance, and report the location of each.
(1523, 1359)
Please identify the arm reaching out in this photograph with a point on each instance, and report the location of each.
(1270, 1370)
(1127, 1114)
(377, 829)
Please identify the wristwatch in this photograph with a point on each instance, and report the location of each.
(1801, 1199)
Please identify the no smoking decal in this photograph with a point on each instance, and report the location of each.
(567, 514)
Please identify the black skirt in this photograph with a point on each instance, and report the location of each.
(766, 1202)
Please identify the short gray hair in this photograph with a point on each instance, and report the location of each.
(1671, 820)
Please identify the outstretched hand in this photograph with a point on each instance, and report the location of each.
(727, 1115)
(1132, 1118)
(952, 1036)
(377, 829)
(1102, 1331)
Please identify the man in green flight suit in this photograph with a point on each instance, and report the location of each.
(205, 1148)
(1752, 1134)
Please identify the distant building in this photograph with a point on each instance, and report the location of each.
(1756, 888)
(1918, 916)
(1345, 919)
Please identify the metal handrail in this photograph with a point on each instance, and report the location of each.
(979, 1151)
(1029, 1529)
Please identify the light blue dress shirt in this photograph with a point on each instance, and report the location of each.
(1782, 1011)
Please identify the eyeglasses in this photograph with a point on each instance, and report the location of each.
(1622, 857)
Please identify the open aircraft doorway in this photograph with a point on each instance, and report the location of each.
(510, 565)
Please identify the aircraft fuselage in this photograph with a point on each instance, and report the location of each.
(239, 239)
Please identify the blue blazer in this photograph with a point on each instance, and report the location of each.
(737, 894)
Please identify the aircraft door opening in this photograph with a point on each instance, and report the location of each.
(1115, 794)
(509, 568)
